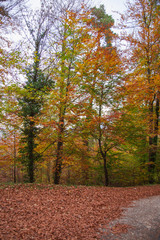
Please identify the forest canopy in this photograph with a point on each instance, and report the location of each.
(77, 107)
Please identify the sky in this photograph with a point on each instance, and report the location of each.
(111, 6)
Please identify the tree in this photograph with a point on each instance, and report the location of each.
(9, 145)
(81, 58)
(100, 70)
(71, 48)
(10, 130)
(38, 83)
(31, 105)
(10, 60)
(103, 21)
(8, 22)
(142, 82)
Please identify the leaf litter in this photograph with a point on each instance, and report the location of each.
(48, 212)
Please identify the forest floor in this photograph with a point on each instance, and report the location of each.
(49, 212)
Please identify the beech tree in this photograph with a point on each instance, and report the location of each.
(10, 63)
(9, 148)
(142, 83)
(82, 67)
(10, 134)
(71, 47)
(80, 110)
(99, 69)
(9, 57)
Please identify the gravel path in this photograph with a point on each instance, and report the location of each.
(143, 219)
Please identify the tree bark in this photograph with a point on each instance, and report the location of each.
(106, 172)
(103, 154)
(15, 156)
(48, 171)
(157, 120)
(62, 111)
(102, 151)
(31, 154)
(59, 155)
(153, 138)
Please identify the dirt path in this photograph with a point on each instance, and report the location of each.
(143, 219)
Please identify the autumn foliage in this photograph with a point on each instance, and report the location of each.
(78, 109)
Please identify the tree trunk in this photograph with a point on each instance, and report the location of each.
(106, 172)
(58, 165)
(48, 171)
(31, 154)
(153, 138)
(31, 170)
(156, 126)
(102, 151)
(14, 173)
(103, 154)
(15, 156)
(151, 147)
(64, 85)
